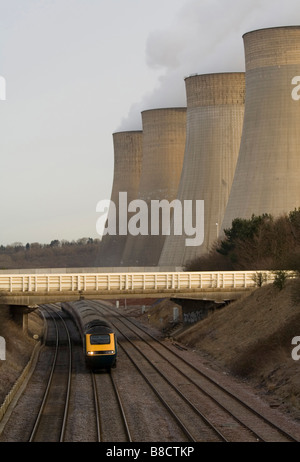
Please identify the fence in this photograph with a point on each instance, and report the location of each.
(16, 283)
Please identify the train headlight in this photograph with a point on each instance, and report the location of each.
(101, 352)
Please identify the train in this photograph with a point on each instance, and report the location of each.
(99, 341)
(100, 346)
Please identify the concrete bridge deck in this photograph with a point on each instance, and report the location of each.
(36, 288)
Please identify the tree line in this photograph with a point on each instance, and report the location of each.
(259, 243)
(57, 254)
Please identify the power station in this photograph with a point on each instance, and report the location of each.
(215, 111)
(236, 147)
(164, 134)
(268, 169)
(127, 172)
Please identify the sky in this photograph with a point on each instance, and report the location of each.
(76, 71)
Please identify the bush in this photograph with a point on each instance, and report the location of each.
(295, 293)
(260, 278)
(280, 279)
(259, 243)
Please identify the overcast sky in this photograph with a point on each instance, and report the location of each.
(77, 71)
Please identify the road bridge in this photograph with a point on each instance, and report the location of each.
(26, 289)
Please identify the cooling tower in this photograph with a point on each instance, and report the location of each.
(268, 168)
(215, 110)
(127, 171)
(164, 133)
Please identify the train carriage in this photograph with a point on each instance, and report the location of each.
(100, 345)
(98, 338)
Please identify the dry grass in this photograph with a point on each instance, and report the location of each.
(252, 338)
(18, 348)
(161, 314)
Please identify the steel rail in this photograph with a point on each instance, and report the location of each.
(38, 419)
(225, 390)
(183, 397)
(157, 393)
(211, 380)
(122, 411)
(202, 390)
(66, 409)
(181, 425)
(97, 408)
(50, 379)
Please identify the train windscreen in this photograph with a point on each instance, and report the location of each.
(99, 339)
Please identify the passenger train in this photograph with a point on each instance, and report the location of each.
(100, 346)
(99, 341)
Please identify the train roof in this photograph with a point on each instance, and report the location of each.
(97, 324)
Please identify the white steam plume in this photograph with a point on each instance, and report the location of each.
(205, 37)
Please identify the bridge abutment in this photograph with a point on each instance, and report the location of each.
(19, 314)
(194, 310)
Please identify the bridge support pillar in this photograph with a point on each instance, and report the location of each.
(195, 310)
(19, 315)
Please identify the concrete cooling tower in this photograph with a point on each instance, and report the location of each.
(164, 133)
(268, 168)
(215, 110)
(127, 171)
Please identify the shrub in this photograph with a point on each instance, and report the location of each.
(260, 278)
(280, 279)
(260, 243)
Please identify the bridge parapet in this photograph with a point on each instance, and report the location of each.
(25, 289)
(156, 281)
(37, 288)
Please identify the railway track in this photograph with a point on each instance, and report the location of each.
(51, 420)
(194, 425)
(221, 414)
(154, 394)
(106, 398)
(173, 407)
(65, 401)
